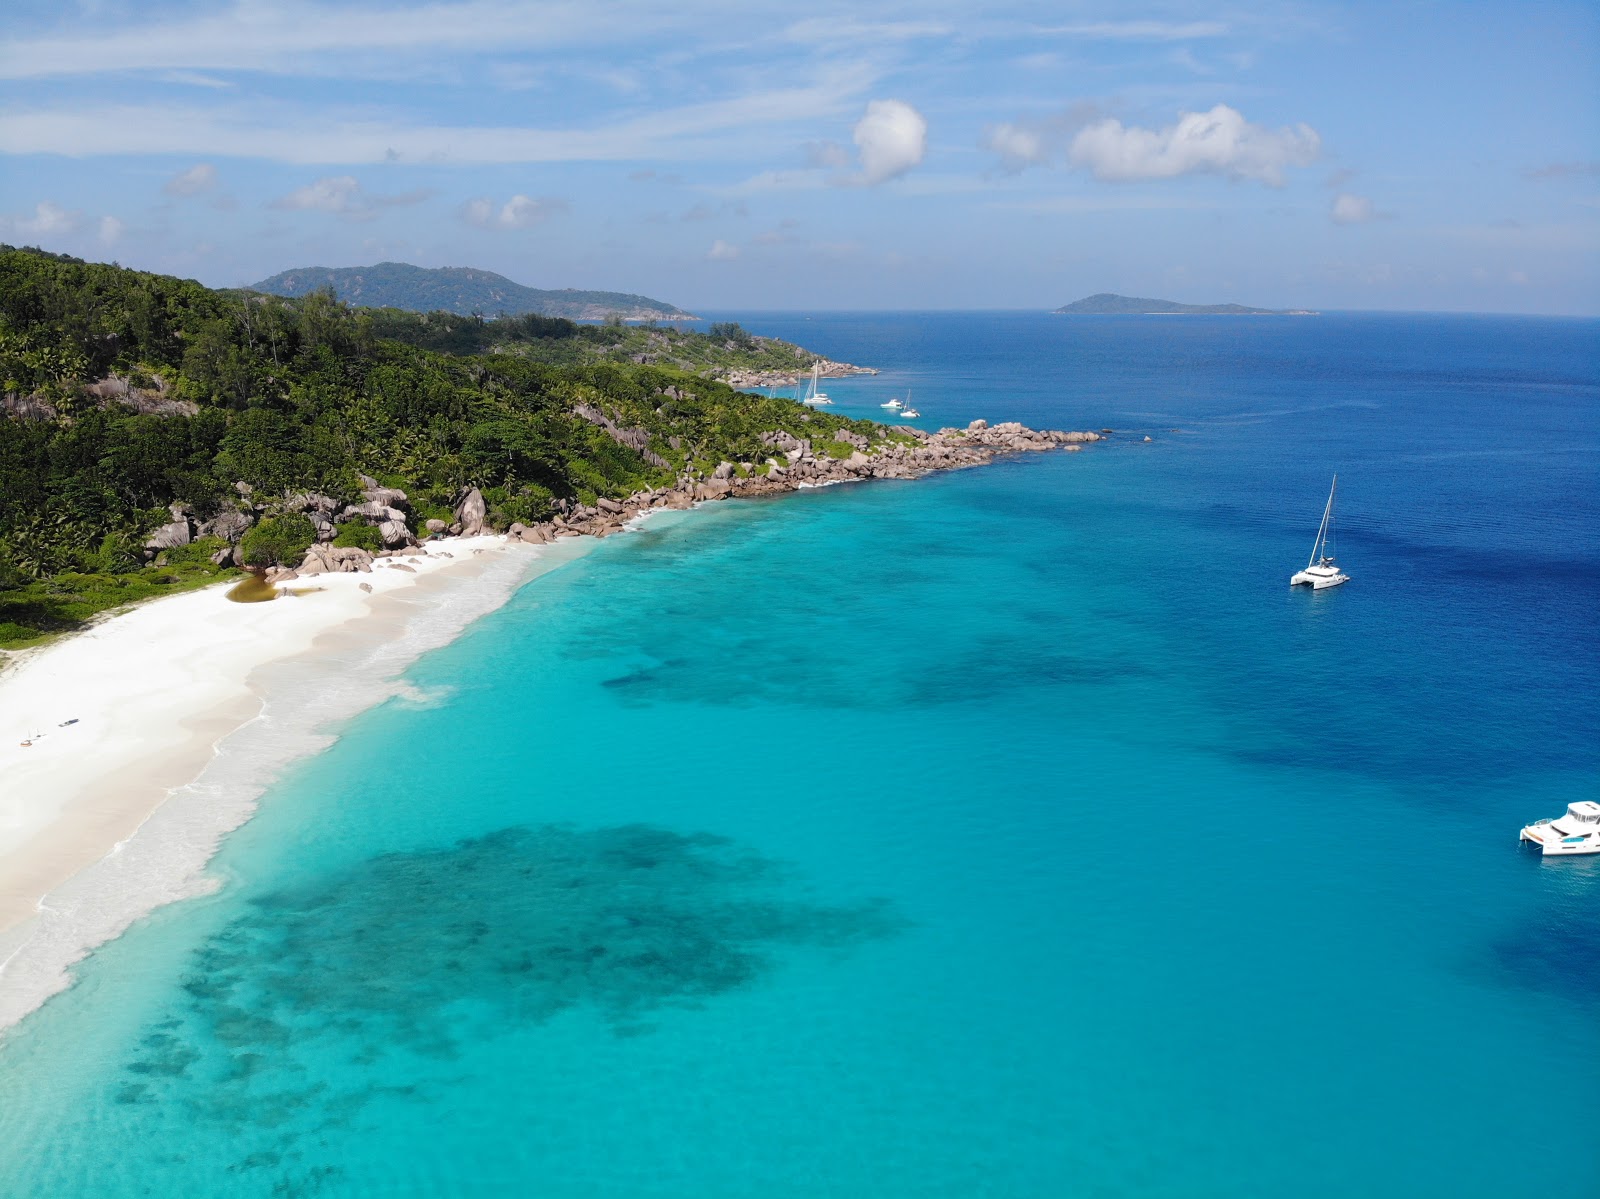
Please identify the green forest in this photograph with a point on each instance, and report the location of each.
(124, 393)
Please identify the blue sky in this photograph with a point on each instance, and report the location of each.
(749, 155)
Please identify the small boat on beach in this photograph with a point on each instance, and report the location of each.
(1321, 571)
(1576, 832)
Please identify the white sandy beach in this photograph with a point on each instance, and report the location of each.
(151, 694)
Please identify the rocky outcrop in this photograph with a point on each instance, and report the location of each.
(229, 524)
(167, 537)
(635, 437)
(748, 380)
(801, 466)
(471, 512)
(335, 559)
(150, 401)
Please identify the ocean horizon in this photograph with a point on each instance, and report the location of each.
(1012, 831)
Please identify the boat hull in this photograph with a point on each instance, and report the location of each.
(1554, 845)
(1317, 582)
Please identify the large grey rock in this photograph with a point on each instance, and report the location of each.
(370, 511)
(394, 533)
(471, 512)
(435, 526)
(608, 505)
(311, 501)
(170, 536)
(390, 497)
(229, 523)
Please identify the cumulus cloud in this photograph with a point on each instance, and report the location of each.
(199, 178)
(111, 230)
(1351, 209)
(722, 251)
(1219, 142)
(519, 212)
(344, 196)
(890, 139)
(48, 218)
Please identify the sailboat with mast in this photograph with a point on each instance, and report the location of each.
(815, 396)
(1322, 571)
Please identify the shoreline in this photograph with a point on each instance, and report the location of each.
(186, 710)
(155, 732)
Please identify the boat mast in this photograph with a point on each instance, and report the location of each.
(1322, 529)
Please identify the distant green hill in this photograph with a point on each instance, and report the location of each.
(1107, 304)
(462, 290)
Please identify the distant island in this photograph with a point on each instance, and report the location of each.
(463, 291)
(1107, 304)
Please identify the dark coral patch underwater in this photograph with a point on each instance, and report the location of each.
(408, 951)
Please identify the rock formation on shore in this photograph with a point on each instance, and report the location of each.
(797, 464)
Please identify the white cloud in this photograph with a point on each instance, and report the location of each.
(296, 37)
(193, 79)
(1219, 142)
(344, 196)
(827, 156)
(111, 230)
(1351, 209)
(519, 212)
(890, 139)
(340, 194)
(198, 178)
(831, 31)
(1141, 31)
(48, 218)
(309, 135)
(722, 251)
(1017, 146)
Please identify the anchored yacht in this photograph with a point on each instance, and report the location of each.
(1576, 832)
(815, 396)
(1322, 571)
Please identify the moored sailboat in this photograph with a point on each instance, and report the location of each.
(816, 396)
(1322, 571)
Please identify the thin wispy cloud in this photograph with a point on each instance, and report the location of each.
(343, 195)
(300, 134)
(1567, 170)
(1140, 31)
(1351, 209)
(519, 212)
(201, 177)
(287, 38)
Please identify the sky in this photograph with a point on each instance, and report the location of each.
(749, 155)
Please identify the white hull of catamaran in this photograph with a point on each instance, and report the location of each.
(1318, 581)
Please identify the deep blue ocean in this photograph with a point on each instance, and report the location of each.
(1014, 832)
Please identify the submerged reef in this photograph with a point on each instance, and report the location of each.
(414, 952)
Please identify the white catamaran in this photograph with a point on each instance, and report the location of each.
(1322, 571)
(814, 396)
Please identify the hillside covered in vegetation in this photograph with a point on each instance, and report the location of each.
(462, 290)
(154, 431)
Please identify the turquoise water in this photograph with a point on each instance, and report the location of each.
(1013, 832)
